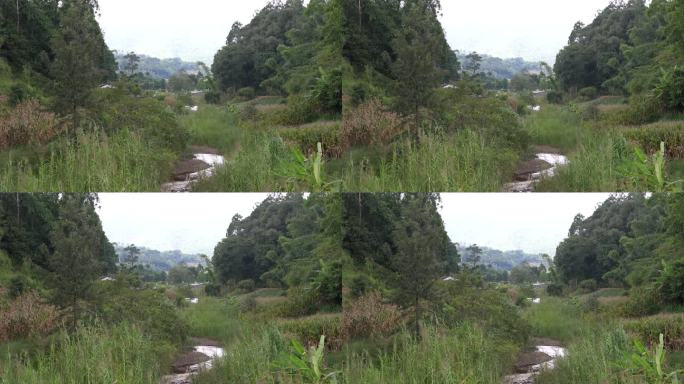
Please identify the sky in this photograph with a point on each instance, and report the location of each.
(195, 223)
(195, 30)
(532, 29)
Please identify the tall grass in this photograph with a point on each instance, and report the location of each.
(464, 355)
(463, 162)
(557, 319)
(596, 358)
(93, 355)
(214, 127)
(213, 318)
(93, 162)
(555, 126)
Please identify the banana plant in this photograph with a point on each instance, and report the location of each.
(651, 365)
(308, 363)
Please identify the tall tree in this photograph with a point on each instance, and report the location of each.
(416, 68)
(79, 51)
(421, 255)
(75, 262)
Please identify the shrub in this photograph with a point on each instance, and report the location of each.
(247, 285)
(28, 124)
(20, 92)
(248, 93)
(326, 93)
(554, 97)
(27, 316)
(642, 301)
(18, 285)
(590, 304)
(670, 283)
(309, 329)
(212, 97)
(300, 110)
(554, 289)
(148, 309)
(588, 93)
(369, 316)
(649, 137)
(307, 137)
(670, 89)
(212, 289)
(300, 302)
(587, 286)
(370, 124)
(247, 303)
(649, 330)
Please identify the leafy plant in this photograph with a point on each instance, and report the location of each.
(301, 169)
(651, 364)
(308, 363)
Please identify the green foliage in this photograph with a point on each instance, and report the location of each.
(308, 363)
(651, 365)
(309, 329)
(650, 330)
(94, 354)
(247, 285)
(588, 285)
(307, 137)
(670, 89)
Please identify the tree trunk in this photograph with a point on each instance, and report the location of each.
(17, 16)
(417, 316)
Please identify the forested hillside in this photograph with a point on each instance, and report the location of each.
(155, 67)
(158, 260)
(502, 260)
(631, 241)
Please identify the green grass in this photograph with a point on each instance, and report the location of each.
(457, 163)
(122, 162)
(463, 355)
(94, 355)
(213, 318)
(557, 319)
(555, 126)
(214, 127)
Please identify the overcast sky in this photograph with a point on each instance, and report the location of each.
(195, 30)
(194, 223)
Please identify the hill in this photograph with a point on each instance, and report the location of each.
(502, 68)
(158, 68)
(503, 260)
(160, 260)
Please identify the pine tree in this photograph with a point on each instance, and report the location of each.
(75, 262)
(78, 50)
(421, 254)
(416, 69)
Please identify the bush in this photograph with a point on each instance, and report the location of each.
(554, 97)
(27, 316)
(588, 93)
(307, 137)
(670, 89)
(150, 310)
(369, 316)
(370, 124)
(248, 93)
(28, 124)
(212, 289)
(212, 97)
(649, 137)
(247, 285)
(650, 328)
(554, 289)
(308, 330)
(300, 110)
(20, 92)
(670, 283)
(18, 285)
(247, 304)
(300, 302)
(588, 286)
(642, 301)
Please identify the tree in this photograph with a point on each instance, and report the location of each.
(78, 50)
(75, 262)
(416, 69)
(131, 256)
(421, 257)
(132, 63)
(473, 256)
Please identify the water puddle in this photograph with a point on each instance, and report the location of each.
(543, 166)
(202, 165)
(200, 359)
(553, 353)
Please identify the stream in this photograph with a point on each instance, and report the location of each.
(528, 368)
(202, 357)
(531, 172)
(188, 172)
